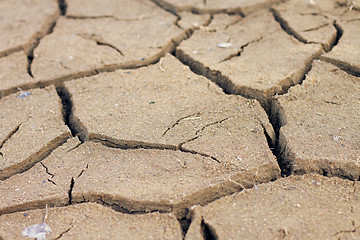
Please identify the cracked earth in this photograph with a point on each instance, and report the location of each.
(165, 119)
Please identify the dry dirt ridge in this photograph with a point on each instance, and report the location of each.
(192, 119)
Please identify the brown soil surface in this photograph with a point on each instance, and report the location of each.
(192, 119)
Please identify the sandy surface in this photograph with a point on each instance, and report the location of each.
(164, 119)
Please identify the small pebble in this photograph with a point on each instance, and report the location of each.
(224, 45)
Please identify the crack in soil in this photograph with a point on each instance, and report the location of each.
(207, 231)
(285, 26)
(110, 46)
(106, 16)
(179, 120)
(316, 28)
(339, 33)
(51, 175)
(75, 126)
(47, 170)
(30, 58)
(277, 120)
(185, 222)
(10, 135)
(82, 171)
(196, 152)
(238, 54)
(61, 234)
(212, 124)
(348, 231)
(100, 42)
(72, 182)
(62, 6)
(51, 181)
(127, 144)
(71, 149)
(314, 14)
(121, 208)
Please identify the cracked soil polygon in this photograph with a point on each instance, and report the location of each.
(259, 63)
(13, 73)
(167, 106)
(320, 122)
(306, 207)
(92, 221)
(31, 127)
(145, 180)
(23, 22)
(136, 180)
(99, 44)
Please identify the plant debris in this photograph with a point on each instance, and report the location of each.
(37, 231)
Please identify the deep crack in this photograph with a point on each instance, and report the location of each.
(185, 222)
(72, 182)
(30, 58)
(207, 231)
(75, 126)
(339, 33)
(62, 7)
(277, 120)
